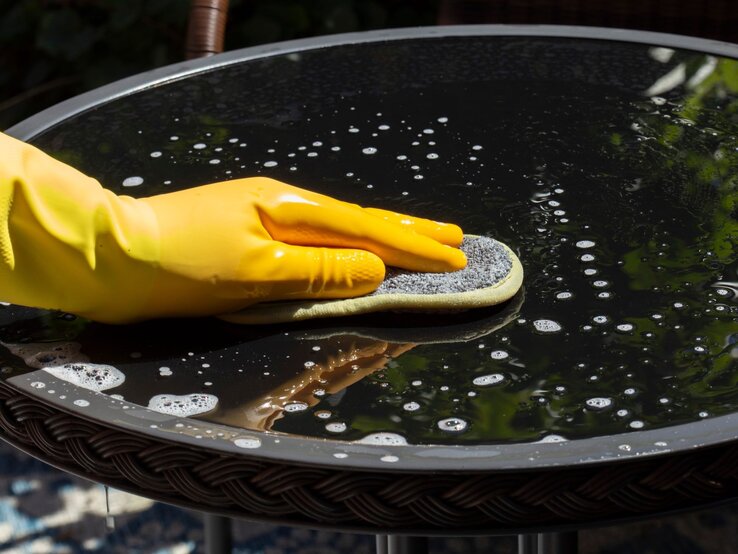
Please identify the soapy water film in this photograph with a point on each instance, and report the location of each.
(615, 203)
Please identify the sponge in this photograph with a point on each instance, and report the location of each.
(493, 274)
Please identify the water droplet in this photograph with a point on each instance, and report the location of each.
(552, 439)
(336, 427)
(411, 406)
(452, 425)
(384, 438)
(295, 407)
(546, 326)
(489, 380)
(199, 146)
(585, 244)
(155, 154)
(132, 181)
(270, 163)
(81, 403)
(498, 355)
(565, 295)
(636, 424)
(369, 150)
(624, 327)
(389, 458)
(249, 442)
(598, 403)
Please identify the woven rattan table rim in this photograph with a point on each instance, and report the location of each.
(460, 503)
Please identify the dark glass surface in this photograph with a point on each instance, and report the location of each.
(610, 168)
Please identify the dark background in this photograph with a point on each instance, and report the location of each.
(51, 50)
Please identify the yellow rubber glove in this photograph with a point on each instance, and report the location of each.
(67, 243)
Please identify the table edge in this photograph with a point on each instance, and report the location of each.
(42, 121)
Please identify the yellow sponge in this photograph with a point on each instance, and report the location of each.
(493, 274)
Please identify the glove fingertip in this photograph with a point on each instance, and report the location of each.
(362, 271)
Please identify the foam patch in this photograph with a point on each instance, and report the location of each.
(493, 274)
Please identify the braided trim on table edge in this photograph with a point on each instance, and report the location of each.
(365, 500)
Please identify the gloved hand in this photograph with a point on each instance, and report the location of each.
(67, 243)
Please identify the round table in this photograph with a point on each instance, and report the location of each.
(603, 391)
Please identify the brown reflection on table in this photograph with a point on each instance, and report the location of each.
(348, 359)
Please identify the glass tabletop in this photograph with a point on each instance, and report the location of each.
(609, 167)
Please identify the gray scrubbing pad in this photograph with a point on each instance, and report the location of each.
(493, 274)
(488, 262)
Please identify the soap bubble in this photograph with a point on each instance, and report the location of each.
(96, 377)
(184, 405)
(383, 438)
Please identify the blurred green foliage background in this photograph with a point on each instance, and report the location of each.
(54, 49)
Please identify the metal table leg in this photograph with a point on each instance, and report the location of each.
(218, 538)
(558, 543)
(394, 544)
(548, 543)
(528, 544)
(382, 545)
